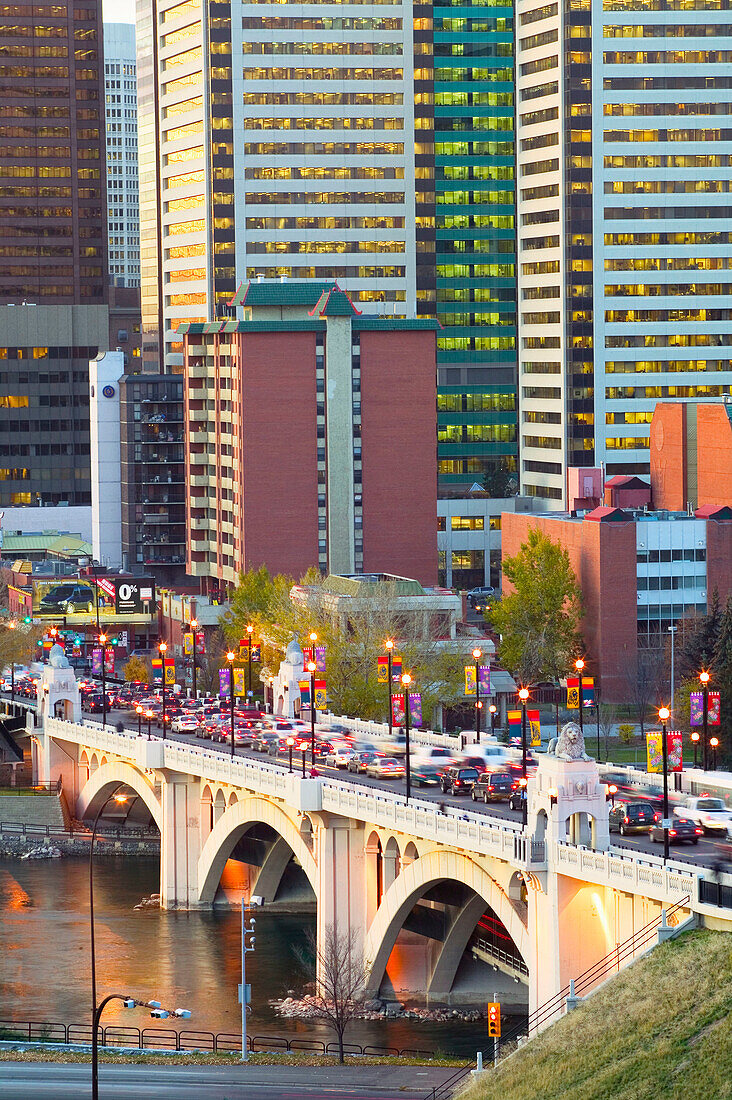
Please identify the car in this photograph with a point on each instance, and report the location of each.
(68, 598)
(517, 798)
(184, 724)
(711, 813)
(492, 787)
(458, 780)
(360, 761)
(632, 817)
(339, 756)
(385, 767)
(263, 740)
(681, 830)
(426, 774)
(477, 762)
(478, 597)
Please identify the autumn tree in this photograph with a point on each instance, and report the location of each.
(18, 643)
(539, 620)
(341, 979)
(136, 670)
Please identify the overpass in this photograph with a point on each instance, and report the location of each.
(542, 903)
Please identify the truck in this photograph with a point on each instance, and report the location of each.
(711, 813)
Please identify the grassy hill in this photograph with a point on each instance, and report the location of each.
(660, 1030)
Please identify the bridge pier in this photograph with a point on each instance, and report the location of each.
(180, 841)
(341, 894)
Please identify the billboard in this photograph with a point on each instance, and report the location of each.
(55, 597)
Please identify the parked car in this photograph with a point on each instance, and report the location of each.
(479, 597)
(492, 787)
(458, 780)
(426, 775)
(632, 817)
(683, 830)
(69, 598)
(384, 767)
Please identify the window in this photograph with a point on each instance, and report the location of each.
(467, 523)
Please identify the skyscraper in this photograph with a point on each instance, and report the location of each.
(623, 183)
(52, 204)
(123, 214)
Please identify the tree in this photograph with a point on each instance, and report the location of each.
(341, 978)
(698, 640)
(136, 671)
(644, 680)
(539, 621)
(500, 481)
(18, 643)
(608, 719)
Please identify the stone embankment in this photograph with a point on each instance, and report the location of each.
(307, 1007)
(14, 846)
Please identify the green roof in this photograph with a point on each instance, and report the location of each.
(359, 584)
(334, 302)
(289, 293)
(48, 541)
(374, 324)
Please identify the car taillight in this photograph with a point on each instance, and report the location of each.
(656, 817)
(699, 832)
(672, 832)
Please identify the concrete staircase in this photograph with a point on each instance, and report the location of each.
(32, 809)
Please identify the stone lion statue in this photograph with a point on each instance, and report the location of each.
(570, 745)
(57, 658)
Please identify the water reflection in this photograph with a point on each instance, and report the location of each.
(184, 959)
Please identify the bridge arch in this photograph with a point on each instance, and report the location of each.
(431, 869)
(232, 825)
(105, 778)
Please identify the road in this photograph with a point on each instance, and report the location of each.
(52, 1080)
(707, 853)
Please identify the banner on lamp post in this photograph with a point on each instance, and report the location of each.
(304, 686)
(169, 670)
(157, 669)
(484, 679)
(572, 693)
(200, 644)
(224, 682)
(97, 662)
(415, 708)
(382, 675)
(397, 710)
(674, 751)
(257, 652)
(514, 718)
(396, 670)
(534, 722)
(470, 679)
(240, 686)
(321, 695)
(109, 660)
(696, 708)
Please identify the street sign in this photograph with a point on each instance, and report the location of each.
(667, 823)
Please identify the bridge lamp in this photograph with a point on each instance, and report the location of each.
(12, 625)
(714, 743)
(695, 743)
(313, 637)
(290, 742)
(388, 644)
(139, 711)
(663, 715)
(149, 715)
(493, 710)
(705, 678)
(406, 682)
(553, 796)
(230, 659)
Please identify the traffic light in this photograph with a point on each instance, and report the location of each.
(27, 620)
(494, 1019)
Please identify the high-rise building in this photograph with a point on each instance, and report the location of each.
(310, 438)
(52, 202)
(625, 259)
(123, 214)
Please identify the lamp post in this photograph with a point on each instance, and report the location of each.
(705, 677)
(158, 1013)
(672, 631)
(163, 649)
(149, 715)
(290, 743)
(139, 712)
(103, 643)
(664, 714)
(714, 743)
(492, 711)
(12, 625)
(194, 627)
(695, 743)
(579, 664)
(256, 901)
(476, 657)
(120, 799)
(523, 696)
(92, 564)
(406, 681)
(311, 669)
(250, 631)
(389, 647)
(230, 659)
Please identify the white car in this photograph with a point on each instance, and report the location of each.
(340, 756)
(711, 813)
(184, 724)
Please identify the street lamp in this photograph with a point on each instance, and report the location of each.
(695, 743)
(158, 1013)
(672, 631)
(579, 664)
(476, 657)
(149, 715)
(311, 669)
(406, 681)
(139, 712)
(714, 742)
(250, 631)
(246, 907)
(664, 714)
(12, 625)
(389, 647)
(163, 649)
(230, 659)
(103, 643)
(194, 627)
(492, 709)
(523, 696)
(705, 678)
(290, 743)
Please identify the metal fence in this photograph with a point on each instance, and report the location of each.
(19, 828)
(24, 785)
(715, 893)
(159, 1038)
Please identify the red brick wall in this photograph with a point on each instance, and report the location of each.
(668, 457)
(603, 556)
(714, 450)
(279, 482)
(719, 558)
(399, 414)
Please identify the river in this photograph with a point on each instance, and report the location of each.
(189, 960)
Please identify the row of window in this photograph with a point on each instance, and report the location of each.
(645, 556)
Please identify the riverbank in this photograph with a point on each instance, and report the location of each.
(14, 846)
(44, 1052)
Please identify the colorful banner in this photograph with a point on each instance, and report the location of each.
(470, 679)
(484, 679)
(257, 652)
(572, 693)
(320, 658)
(304, 686)
(170, 670)
(97, 662)
(200, 643)
(224, 679)
(383, 670)
(397, 710)
(240, 681)
(535, 726)
(321, 700)
(415, 708)
(396, 670)
(696, 708)
(674, 752)
(514, 717)
(109, 660)
(382, 675)
(588, 692)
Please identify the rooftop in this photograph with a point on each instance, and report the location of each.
(281, 293)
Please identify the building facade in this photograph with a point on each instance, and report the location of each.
(52, 200)
(44, 396)
(623, 185)
(123, 213)
(310, 439)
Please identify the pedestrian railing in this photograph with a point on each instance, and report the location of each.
(20, 828)
(159, 1038)
(514, 962)
(715, 893)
